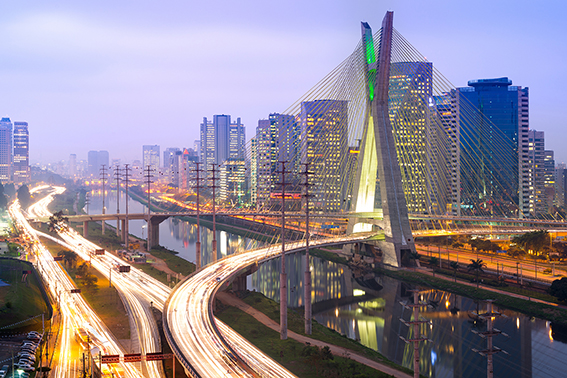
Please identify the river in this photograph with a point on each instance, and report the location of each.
(368, 309)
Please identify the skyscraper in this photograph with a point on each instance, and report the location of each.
(96, 159)
(72, 165)
(549, 179)
(150, 158)
(5, 150)
(221, 140)
(494, 123)
(411, 87)
(21, 166)
(324, 134)
(536, 176)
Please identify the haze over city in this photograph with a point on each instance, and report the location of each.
(108, 76)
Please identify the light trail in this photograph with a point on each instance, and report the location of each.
(75, 312)
(137, 292)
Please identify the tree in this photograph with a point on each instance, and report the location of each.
(477, 267)
(533, 241)
(58, 221)
(24, 196)
(90, 280)
(433, 261)
(455, 266)
(3, 198)
(69, 257)
(83, 269)
(415, 257)
(558, 289)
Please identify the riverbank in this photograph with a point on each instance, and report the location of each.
(324, 353)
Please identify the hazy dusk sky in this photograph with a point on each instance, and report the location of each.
(115, 75)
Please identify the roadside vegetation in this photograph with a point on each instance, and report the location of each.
(303, 360)
(19, 300)
(95, 289)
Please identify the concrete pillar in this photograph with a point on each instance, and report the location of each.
(86, 229)
(153, 231)
(123, 231)
(103, 226)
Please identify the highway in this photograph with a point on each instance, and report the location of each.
(204, 345)
(75, 312)
(136, 290)
(198, 338)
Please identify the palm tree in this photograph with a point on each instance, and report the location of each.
(433, 261)
(477, 267)
(455, 266)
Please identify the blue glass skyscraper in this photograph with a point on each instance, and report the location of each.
(494, 122)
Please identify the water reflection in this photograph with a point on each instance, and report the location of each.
(375, 322)
(174, 233)
(367, 308)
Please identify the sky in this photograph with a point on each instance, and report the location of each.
(116, 75)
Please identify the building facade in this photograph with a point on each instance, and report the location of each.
(21, 162)
(150, 159)
(6, 128)
(324, 134)
(494, 123)
(96, 159)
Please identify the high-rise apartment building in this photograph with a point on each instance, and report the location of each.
(21, 162)
(96, 159)
(171, 164)
(277, 138)
(5, 150)
(536, 176)
(324, 134)
(411, 87)
(221, 139)
(494, 121)
(150, 158)
(560, 185)
(549, 179)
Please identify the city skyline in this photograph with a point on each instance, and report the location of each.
(78, 73)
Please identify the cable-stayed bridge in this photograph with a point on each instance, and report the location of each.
(384, 142)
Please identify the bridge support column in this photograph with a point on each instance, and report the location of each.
(153, 230)
(239, 283)
(103, 226)
(86, 229)
(123, 231)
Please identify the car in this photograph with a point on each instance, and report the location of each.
(31, 356)
(24, 366)
(24, 374)
(29, 344)
(26, 360)
(4, 371)
(27, 355)
(34, 338)
(27, 350)
(34, 334)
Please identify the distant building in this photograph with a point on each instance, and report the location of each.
(5, 150)
(560, 185)
(150, 158)
(536, 177)
(96, 159)
(549, 179)
(72, 166)
(221, 139)
(21, 165)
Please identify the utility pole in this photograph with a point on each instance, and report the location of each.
(214, 186)
(103, 177)
(198, 170)
(488, 335)
(126, 226)
(117, 177)
(416, 335)
(149, 181)
(283, 275)
(307, 276)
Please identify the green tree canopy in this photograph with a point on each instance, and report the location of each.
(24, 196)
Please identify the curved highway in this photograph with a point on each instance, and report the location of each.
(203, 344)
